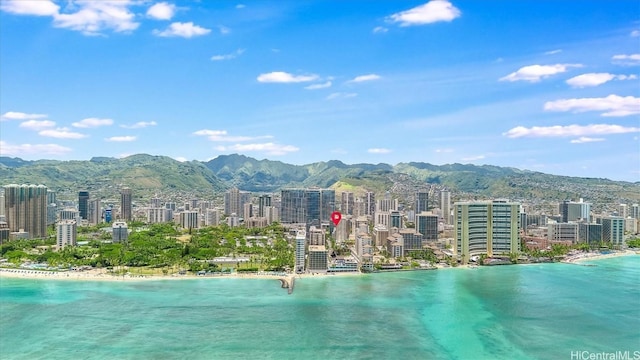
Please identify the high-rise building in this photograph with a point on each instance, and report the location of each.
(380, 235)
(317, 259)
(347, 203)
(369, 203)
(623, 211)
(613, 230)
(120, 231)
(247, 211)
(264, 201)
(309, 206)
(95, 212)
(427, 225)
(4, 232)
(422, 202)
(445, 205)
(155, 202)
(66, 233)
(489, 228)
(412, 240)
(234, 201)
(26, 209)
(395, 219)
(2, 212)
(83, 204)
(387, 204)
(563, 232)
(301, 238)
(590, 234)
(51, 197)
(126, 210)
(108, 216)
(212, 217)
(69, 214)
(573, 211)
(190, 220)
(635, 211)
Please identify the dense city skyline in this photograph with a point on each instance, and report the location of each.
(550, 87)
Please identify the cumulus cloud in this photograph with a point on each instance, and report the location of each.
(284, 77)
(61, 133)
(534, 73)
(341, 95)
(140, 125)
(569, 130)
(378, 151)
(595, 79)
(185, 30)
(380, 30)
(267, 148)
(30, 7)
(473, 158)
(121, 138)
(630, 60)
(230, 56)
(612, 105)
(92, 123)
(363, 78)
(94, 17)
(223, 136)
(584, 139)
(37, 124)
(14, 115)
(431, 12)
(161, 11)
(319, 86)
(7, 149)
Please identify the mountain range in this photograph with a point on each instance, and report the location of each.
(150, 173)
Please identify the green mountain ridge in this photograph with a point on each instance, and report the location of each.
(161, 173)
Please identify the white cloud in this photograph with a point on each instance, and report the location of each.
(30, 7)
(185, 30)
(180, 158)
(7, 149)
(240, 6)
(380, 30)
(284, 77)
(92, 122)
(140, 125)
(224, 30)
(534, 73)
(61, 133)
(121, 138)
(632, 59)
(569, 130)
(557, 51)
(378, 151)
(595, 79)
(37, 124)
(341, 95)
(446, 150)
(161, 11)
(363, 78)
(635, 33)
(94, 17)
(14, 115)
(473, 158)
(267, 148)
(432, 11)
(612, 105)
(230, 56)
(223, 136)
(584, 139)
(319, 86)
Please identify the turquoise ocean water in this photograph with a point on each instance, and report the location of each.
(541, 311)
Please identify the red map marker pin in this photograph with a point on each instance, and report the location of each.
(336, 217)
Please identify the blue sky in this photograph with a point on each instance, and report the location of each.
(550, 86)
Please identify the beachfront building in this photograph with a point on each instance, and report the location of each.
(119, 232)
(485, 227)
(613, 230)
(307, 206)
(66, 233)
(301, 239)
(25, 208)
(412, 240)
(590, 234)
(395, 245)
(380, 235)
(563, 232)
(427, 225)
(317, 259)
(445, 206)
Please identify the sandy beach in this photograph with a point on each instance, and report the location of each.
(597, 256)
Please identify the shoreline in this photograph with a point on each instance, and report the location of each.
(103, 275)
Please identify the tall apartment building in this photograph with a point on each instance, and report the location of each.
(590, 234)
(66, 233)
(264, 201)
(317, 259)
(94, 212)
(412, 240)
(427, 225)
(234, 201)
(422, 202)
(119, 231)
(26, 208)
(563, 232)
(190, 220)
(347, 203)
(301, 238)
(635, 211)
(126, 209)
(490, 228)
(574, 211)
(613, 230)
(83, 204)
(309, 206)
(369, 203)
(445, 206)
